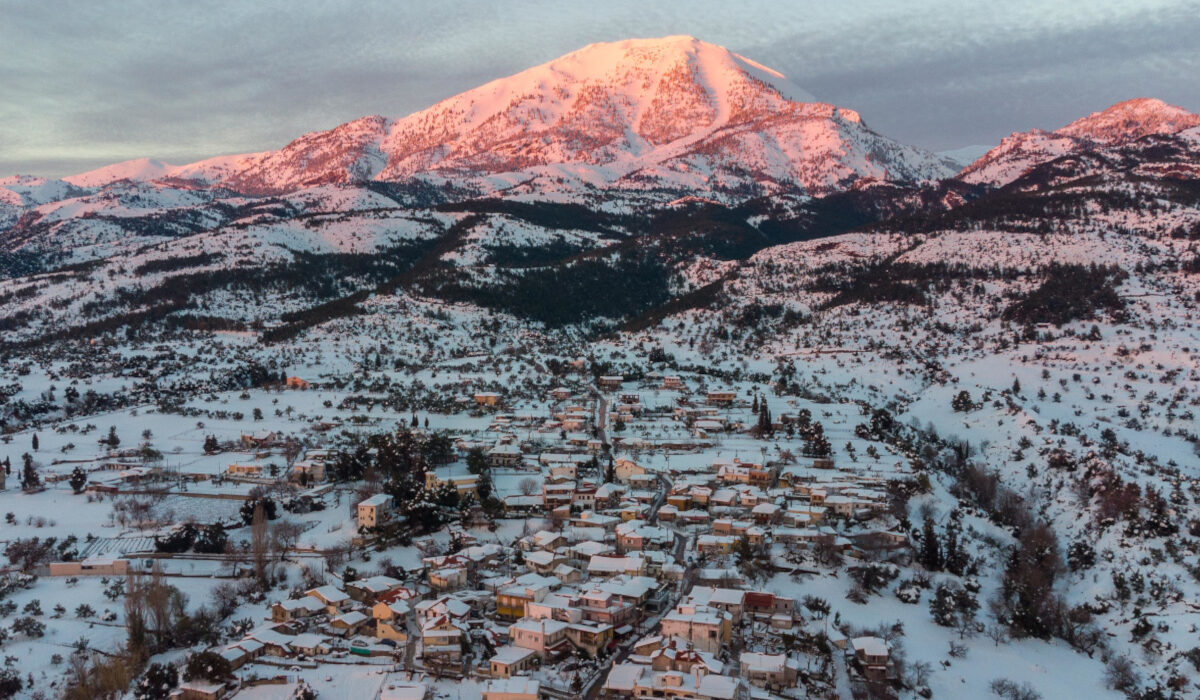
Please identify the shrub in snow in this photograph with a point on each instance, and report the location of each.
(10, 683)
(872, 577)
(239, 628)
(212, 539)
(29, 626)
(909, 592)
(207, 665)
(952, 605)
(1121, 675)
(1011, 690)
(157, 683)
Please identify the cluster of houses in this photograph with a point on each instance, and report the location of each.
(634, 560)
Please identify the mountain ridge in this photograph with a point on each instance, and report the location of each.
(1115, 125)
(674, 111)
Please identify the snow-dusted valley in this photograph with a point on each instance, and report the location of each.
(636, 374)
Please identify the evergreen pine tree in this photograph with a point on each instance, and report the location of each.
(29, 475)
(78, 479)
(931, 553)
(955, 557)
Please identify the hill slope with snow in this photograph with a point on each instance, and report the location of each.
(1121, 123)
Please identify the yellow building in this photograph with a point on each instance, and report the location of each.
(487, 398)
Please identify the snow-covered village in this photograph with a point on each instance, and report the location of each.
(640, 373)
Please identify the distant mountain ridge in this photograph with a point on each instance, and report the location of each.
(1119, 124)
(673, 112)
(629, 128)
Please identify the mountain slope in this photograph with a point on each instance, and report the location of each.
(673, 112)
(1119, 124)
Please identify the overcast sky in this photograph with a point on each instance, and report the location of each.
(84, 84)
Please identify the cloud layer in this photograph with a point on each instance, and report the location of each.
(92, 83)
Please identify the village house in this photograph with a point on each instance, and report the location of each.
(517, 505)
(624, 470)
(720, 397)
(716, 544)
(511, 660)
(873, 657)
(452, 607)
(390, 619)
(517, 688)
(297, 383)
(611, 381)
(590, 637)
(92, 566)
(637, 536)
(253, 471)
(441, 640)
(374, 510)
(560, 494)
(707, 628)
(261, 439)
(276, 643)
(199, 689)
(546, 636)
(743, 473)
(348, 624)
(606, 608)
(763, 604)
(333, 598)
(367, 590)
(288, 610)
(455, 476)
(240, 653)
(487, 398)
(448, 578)
(770, 671)
(600, 566)
(730, 600)
(675, 654)
(310, 644)
(310, 469)
(555, 606)
(544, 562)
(628, 680)
(504, 456)
(511, 600)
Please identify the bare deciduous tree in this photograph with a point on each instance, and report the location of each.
(528, 486)
(259, 544)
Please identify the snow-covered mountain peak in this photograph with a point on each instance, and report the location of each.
(677, 111)
(1131, 120)
(1121, 123)
(136, 169)
(673, 113)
